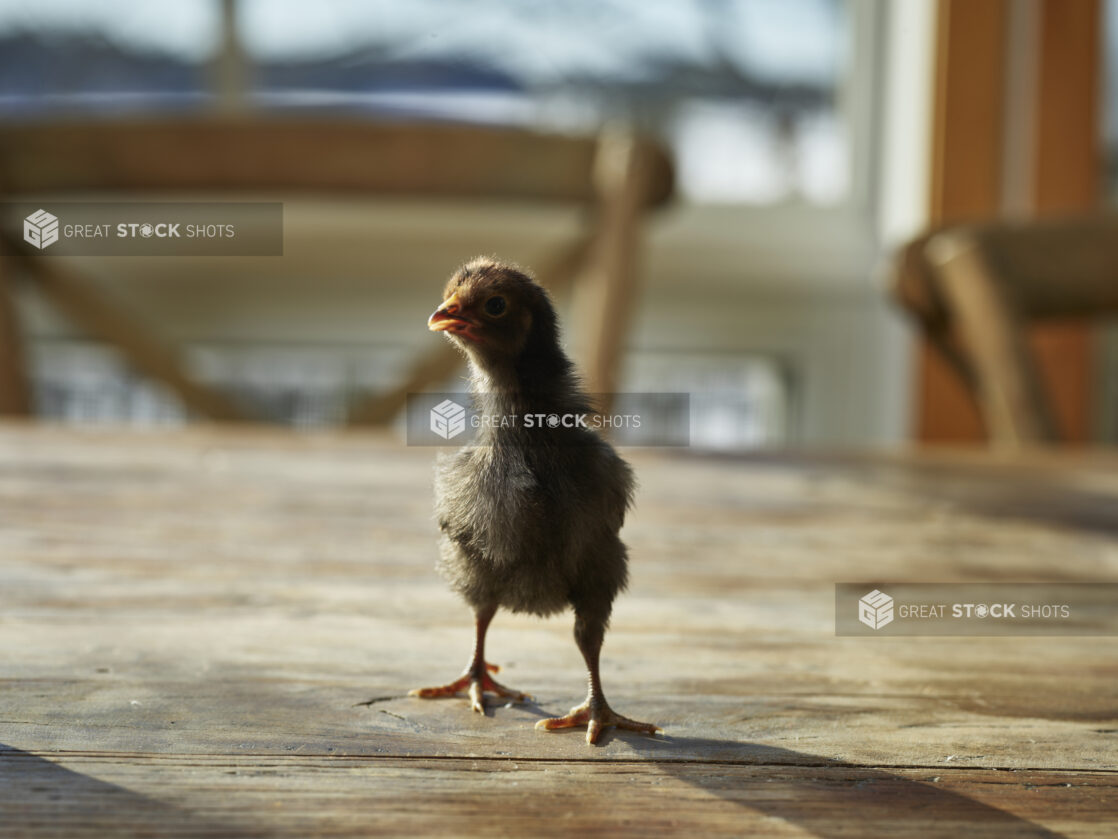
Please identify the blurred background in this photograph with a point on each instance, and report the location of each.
(809, 139)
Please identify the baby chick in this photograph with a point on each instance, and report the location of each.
(529, 515)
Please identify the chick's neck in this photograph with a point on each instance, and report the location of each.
(529, 385)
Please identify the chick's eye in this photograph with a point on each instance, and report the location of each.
(495, 306)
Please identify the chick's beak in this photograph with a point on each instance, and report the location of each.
(448, 317)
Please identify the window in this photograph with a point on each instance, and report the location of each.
(747, 92)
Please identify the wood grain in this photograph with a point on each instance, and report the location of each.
(212, 632)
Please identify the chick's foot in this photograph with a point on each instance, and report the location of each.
(476, 682)
(596, 716)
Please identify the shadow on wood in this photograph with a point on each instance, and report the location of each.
(37, 794)
(814, 793)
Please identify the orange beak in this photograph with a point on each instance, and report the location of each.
(448, 317)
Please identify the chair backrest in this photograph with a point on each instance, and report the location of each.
(617, 174)
(1056, 268)
(1051, 268)
(327, 155)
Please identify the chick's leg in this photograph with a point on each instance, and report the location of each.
(595, 713)
(475, 680)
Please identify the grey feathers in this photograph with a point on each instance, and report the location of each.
(529, 518)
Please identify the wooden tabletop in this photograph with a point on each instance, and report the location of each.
(213, 632)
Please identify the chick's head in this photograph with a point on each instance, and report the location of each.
(497, 314)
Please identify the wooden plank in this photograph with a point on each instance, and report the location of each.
(298, 795)
(213, 631)
(291, 155)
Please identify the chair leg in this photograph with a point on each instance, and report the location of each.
(1009, 390)
(72, 297)
(604, 296)
(15, 391)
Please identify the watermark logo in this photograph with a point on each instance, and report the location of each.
(40, 229)
(1005, 608)
(448, 419)
(135, 228)
(480, 419)
(875, 610)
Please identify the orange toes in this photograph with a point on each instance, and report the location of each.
(596, 720)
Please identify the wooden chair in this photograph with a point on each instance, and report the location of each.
(617, 176)
(973, 290)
